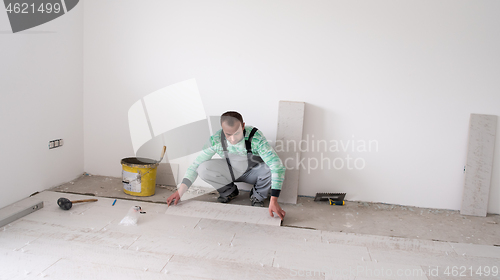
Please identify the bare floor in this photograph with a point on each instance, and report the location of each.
(355, 217)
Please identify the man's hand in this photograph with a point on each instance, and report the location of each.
(275, 207)
(177, 195)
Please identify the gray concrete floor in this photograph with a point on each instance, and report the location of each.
(354, 217)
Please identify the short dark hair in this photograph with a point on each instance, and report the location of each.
(229, 117)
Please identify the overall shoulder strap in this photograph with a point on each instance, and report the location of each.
(248, 143)
(226, 153)
(223, 141)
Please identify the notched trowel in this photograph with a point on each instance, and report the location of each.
(329, 197)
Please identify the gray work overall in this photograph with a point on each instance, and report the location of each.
(222, 173)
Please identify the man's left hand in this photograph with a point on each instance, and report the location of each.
(275, 207)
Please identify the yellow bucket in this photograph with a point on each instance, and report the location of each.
(139, 176)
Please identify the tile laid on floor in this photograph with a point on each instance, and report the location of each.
(318, 257)
(386, 242)
(213, 269)
(20, 265)
(381, 270)
(73, 218)
(115, 214)
(228, 212)
(69, 220)
(102, 254)
(477, 250)
(32, 230)
(49, 199)
(82, 270)
(160, 225)
(269, 237)
(336, 269)
(430, 260)
(10, 239)
(208, 247)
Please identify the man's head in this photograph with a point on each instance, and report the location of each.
(232, 125)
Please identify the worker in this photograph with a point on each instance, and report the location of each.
(246, 156)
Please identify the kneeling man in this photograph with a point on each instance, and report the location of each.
(246, 157)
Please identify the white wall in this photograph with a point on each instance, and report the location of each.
(404, 73)
(41, 87)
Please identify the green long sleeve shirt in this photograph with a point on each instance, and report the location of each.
(260, 147)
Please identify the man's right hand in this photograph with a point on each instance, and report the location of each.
(177, 195)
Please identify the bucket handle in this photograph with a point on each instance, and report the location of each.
(162, 154)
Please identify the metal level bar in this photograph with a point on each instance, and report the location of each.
(21, 214)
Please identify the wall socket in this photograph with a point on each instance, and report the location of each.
(55, 143)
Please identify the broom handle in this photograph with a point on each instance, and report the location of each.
(85, 200)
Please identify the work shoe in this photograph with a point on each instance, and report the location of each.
(230, 197)
(256, 202)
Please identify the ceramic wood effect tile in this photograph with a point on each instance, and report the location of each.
(203, 248)
(227, 212)
(476, 250)
(12, 240)
(262, 233)
(81, 270)
(290, 126)
(102, 254)
(20, 265)
(189, 266)
(318, 257)
(385, 242)
(157, 225)
(479, 167)
(429, 259)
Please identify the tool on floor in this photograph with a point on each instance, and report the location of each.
(132, 216)
(333, 198)
(114, 203)
(66, 204)
(334, 202)
(5, 220)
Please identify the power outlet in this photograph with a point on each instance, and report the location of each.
(55, 143)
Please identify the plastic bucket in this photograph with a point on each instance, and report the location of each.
(139, 176)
